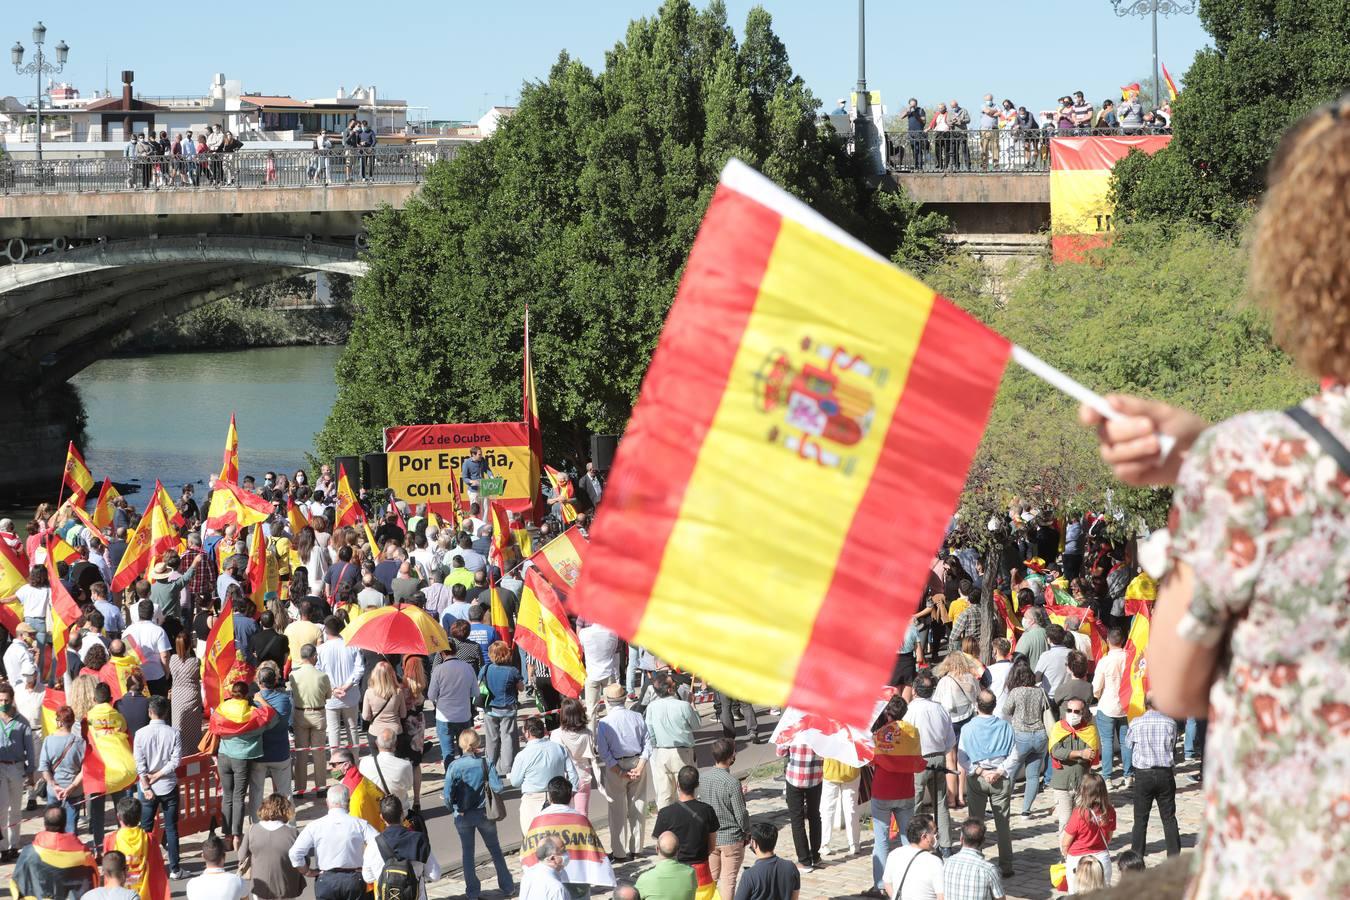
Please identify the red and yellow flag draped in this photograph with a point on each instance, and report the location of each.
(13, 571)
(136, 558)
(65, 612)
(103, 508)
(1134, 685)
(76, 476)
(229, 468)
(801, 380)
(87, 521)
(501, 534)
(61, 551)
(219, 658)
(295, 518)
(145, 862)
(565, 491)
(498, 617)
(232, 505)
(559, 561)
(256, 574)
(543, 631)
(109, 765)
(234, 717)
(348, 511)
(1171, 85)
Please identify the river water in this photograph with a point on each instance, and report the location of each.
(165, 416)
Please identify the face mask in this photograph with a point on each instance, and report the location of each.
(566, 859)
(1073, 718)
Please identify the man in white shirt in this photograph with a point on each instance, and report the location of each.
(338, 842)
(543, 880)
(914, 871)
(392, 775)
(154, 646)
(20, 652)
(601, 652)
(344, 668)
(215, 883)
(1053, 666)
(1111, 721)
(937, 741)
(999, 669)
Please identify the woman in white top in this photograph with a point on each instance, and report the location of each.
(573, 733)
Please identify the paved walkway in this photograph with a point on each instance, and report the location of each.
(1035, 843)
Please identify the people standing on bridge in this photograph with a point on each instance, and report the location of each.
(351, 141)
(1082, 114)
(366, 142)
(214, 141)
(323, 151)
(989, 121)
(914, 117)
(958, 119)
(938, 125)
(191, 175)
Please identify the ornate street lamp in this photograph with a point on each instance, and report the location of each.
(864, 138)
(39, 67)
(1154, 8)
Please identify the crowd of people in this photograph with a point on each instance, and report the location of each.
(1003, 135)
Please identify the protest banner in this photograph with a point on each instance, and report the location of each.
(421, 458)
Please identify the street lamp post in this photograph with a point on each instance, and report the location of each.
(1154, 8)
(39, 67)
(862, 114)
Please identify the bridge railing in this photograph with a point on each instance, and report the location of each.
(999, 150)
(247, 168)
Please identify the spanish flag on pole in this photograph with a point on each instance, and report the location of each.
(232, 505)
(255, 575)
(61, 551)
(531, 413)
(559, 561)
(295, 518)
(219, 658)
(501, 534)
(543, 631)
(1171, 85)
(136, 558)
(803, 381)
(109, 765)
(229, 468)
(1134, 685)
(103, 509)
(65, 612)
(76, 476)
(348, 511)
(165, 502)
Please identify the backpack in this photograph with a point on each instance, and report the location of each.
(397, 879)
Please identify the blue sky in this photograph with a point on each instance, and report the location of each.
(454, 56)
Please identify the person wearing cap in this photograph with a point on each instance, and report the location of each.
(625, 748)
(167, 584)
(18, 765)
(20, 652)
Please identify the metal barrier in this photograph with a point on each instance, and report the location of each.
(1005, 151)
(199, 798)
(247, 168)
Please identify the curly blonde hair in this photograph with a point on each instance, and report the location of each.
(1302, 239)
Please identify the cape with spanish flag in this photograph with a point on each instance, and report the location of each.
(1087, 733)
(234, 717)
(1134, 684)
(56, 864)
(543, 631)
(145, 862)
(109, 765)
(801, 380)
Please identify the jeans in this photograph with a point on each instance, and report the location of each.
(258, 773)
(1160, 785)
(882, 810)
(447, 734)
(234, 775)
(1031, 745)
(477, 821)
(631, 676)
(1113, 730)
(999, 797)
(728, 722)
(339, 886)
(1194, 742)
(501, 732)
(43, 638)
(98, 813)
(804, 812)
(169, 803)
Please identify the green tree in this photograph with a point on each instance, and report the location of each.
(1158, 313)
(1271, 62)
(583, 206)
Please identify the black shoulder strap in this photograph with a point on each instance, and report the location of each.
(385, 850)
(1334, 448)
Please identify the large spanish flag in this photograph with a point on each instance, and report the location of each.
(348, 511)
(559, 561)
(805, 393)
(232, 505)
(1080, 182)
(229, 468)
(1134, 685)
(136, 558)
(109, 765)
(219, 658)
(544, 632)
(165, 502)
(76, 476)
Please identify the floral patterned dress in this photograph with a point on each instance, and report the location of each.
(1262, 515)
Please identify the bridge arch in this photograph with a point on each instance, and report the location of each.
(62, 310)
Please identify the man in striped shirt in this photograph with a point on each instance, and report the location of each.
(1082, 114)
